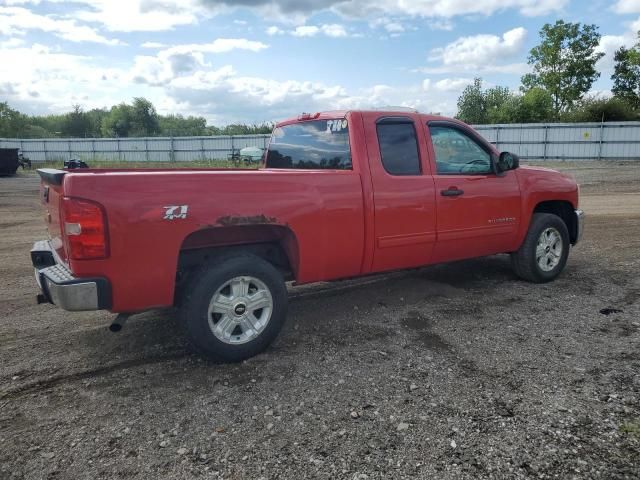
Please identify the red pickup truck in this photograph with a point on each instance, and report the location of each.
(340, 194)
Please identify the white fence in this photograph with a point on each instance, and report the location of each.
(567, 141)
(147, 149)
(535, 141)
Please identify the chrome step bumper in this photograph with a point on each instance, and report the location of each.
(60, 287)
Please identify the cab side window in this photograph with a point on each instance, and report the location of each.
(458, 153)
(398, 146)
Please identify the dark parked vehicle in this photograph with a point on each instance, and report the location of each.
(11, 159)
(9, 162)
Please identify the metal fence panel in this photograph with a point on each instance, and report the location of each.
(532, 141)
(151, 149)
(567, 141)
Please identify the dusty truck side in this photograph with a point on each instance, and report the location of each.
(341, 194)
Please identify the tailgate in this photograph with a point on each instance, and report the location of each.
(51, 197)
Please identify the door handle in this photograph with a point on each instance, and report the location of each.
(451, 192)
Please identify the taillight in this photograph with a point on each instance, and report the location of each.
(84, 229)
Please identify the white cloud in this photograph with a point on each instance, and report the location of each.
(273, 30)
(479, 49)
(453, 84)
(12, 42)
(306, 31)
(184, 82)
(180, 60)
(153, 45)
(160, 15)
(142, 15)
(16, 20)
(627, 6)
(610, 43)
(516, 68)
(21, 2)
(446, 84)
(480, 53)
(444, 25)
(219, 45)
(365, 9)
(334, 30)
(394, 27)
(53, 81)
(229, 96)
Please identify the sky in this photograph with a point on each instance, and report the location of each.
(264, 60)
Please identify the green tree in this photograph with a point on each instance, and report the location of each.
(564, 63)
(180, 126)
(472, 104)
(95, 116)
(118, 122)
(242, 129)
(34, 131)
(498, 102)
(535, 106)
(144, 118)
(594, 109)
(76, 123)
(626, 74)
(12, 122)
(123, 120)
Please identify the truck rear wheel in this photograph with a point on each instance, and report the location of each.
(544, 252)
(234, 307)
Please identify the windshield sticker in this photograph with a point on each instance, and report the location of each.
(335, 126)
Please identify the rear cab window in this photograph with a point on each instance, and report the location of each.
(314, 144)
(398, 146)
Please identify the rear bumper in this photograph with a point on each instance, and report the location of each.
(579, 225)
(60, 287)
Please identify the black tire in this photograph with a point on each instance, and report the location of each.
(524, 261)
(199, 290)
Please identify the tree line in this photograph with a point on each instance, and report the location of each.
(563, 72)
(138, 119)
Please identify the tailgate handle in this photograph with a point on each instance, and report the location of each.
(451, 192)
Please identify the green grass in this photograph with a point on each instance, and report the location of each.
(631, 428)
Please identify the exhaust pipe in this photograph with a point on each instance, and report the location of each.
(119, 322)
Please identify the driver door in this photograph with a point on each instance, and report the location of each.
(478, 211)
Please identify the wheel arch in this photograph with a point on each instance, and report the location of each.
(563, 209)
(276, 244)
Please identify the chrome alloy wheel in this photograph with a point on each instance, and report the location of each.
(549, 249)
(240, 310)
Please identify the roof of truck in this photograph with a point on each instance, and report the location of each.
(331, 114)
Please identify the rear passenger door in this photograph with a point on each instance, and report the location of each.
(478, 210)
(403, 191)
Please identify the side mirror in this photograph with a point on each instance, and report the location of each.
(507, 161)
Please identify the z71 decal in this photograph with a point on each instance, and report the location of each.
(173, 212)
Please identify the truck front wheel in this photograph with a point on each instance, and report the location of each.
(544, 252)
(234, 307)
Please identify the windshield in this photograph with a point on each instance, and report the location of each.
(317, 144)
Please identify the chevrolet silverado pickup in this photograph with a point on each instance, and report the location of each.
(339, 195)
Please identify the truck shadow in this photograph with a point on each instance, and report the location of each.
(365, 310)
(376, 313)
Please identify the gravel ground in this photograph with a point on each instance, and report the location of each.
(452, 371)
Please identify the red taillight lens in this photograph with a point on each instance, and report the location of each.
(84, 227)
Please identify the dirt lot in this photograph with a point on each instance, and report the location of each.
(453, 371)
